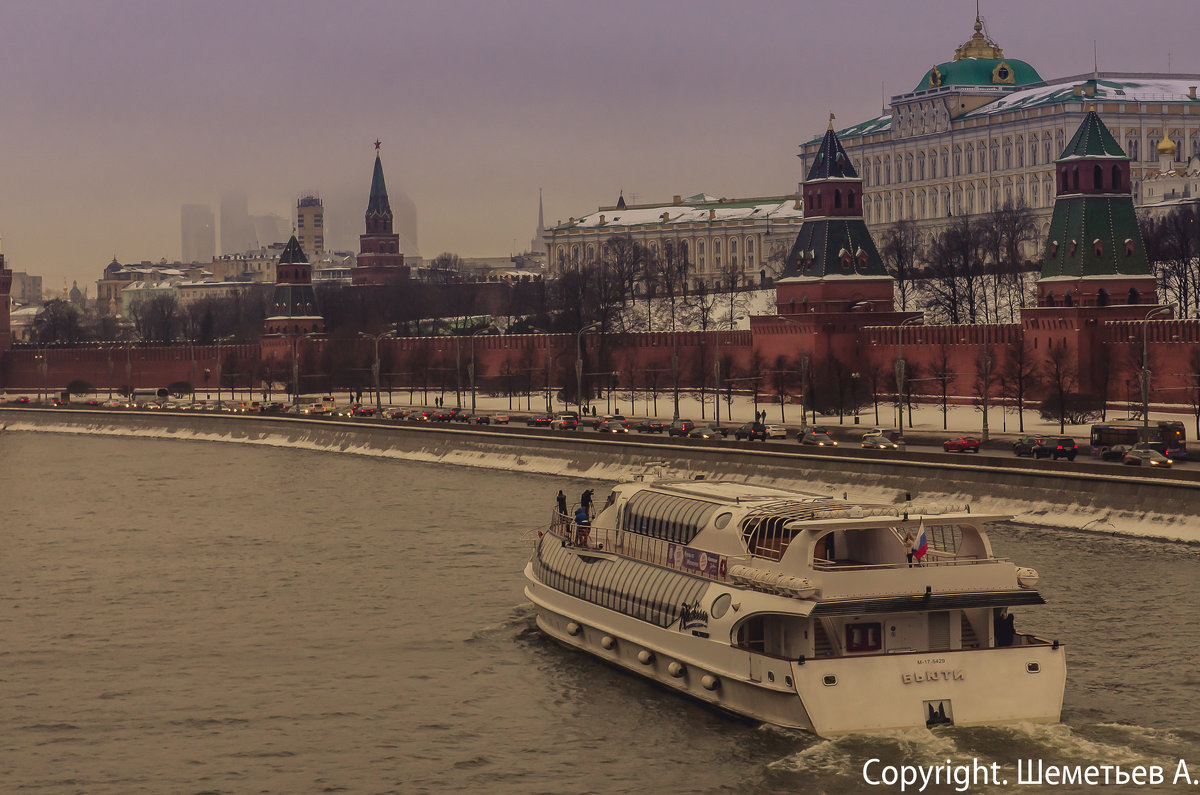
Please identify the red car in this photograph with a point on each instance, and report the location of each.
(963, 444)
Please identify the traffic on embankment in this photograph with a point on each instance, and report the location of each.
(1084, 494)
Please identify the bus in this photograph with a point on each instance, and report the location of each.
(1169, 433)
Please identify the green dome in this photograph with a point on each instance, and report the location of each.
(980, 72)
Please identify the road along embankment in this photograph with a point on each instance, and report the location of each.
(1085, 496)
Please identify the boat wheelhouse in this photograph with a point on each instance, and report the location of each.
(799, 609)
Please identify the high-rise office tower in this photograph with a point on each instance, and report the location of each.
(198, 229)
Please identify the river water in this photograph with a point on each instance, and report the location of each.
(204, 617)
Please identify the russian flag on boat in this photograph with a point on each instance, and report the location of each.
(922, 545)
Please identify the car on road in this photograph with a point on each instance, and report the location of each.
(1030, 446)
(1140, 455)
(775, 431)
(612, 426)
(651, 426)
(816, 435)
(963, 444)
(22, 401)
(419, 415)
(481, 419)
(751, 431)
(681, 428)
(501, 419)
(1115, 453)
(878, 441)
(540, 420)
(1061, 447)
(565, 422)
(708, 432)
(618, 417)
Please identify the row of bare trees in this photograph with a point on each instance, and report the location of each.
(972, 270)
(1173, 248)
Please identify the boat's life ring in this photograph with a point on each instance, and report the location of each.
(721, 568)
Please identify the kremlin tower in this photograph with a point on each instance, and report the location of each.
(379, 257)
(294, 308)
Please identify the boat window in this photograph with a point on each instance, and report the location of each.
(866, 636)
(722, 520)
(665, 516)
(720, 605)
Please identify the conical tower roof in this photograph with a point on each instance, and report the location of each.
(1093, 140)
(378, 203)
(831, 161)
(293, 254)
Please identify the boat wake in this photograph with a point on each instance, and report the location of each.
(841, 760)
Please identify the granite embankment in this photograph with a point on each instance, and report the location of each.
(1086, 496)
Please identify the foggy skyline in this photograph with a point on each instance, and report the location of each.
(120, 112)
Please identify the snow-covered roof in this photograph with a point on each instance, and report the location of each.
(1109, 87)
(695, 209)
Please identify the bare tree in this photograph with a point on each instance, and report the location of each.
(901, 250)
(986, 379)
(1060, 380)
(941, 372)
(445, 268)
(157, 319)
(952, 291)
(1018, 376)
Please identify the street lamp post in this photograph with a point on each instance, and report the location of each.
(471, 366)
(1158, 310)
(296, 369)
(549, 406)
(219, 341)
(900, 368)
(717, 377)
(579, 367)
(375, 365)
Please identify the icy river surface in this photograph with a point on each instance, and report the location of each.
(202, 617)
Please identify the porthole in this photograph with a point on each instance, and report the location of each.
(720, 605)
(830, 680)
(1033, 667)
(787, 680)
(722, 520)
(770, 676)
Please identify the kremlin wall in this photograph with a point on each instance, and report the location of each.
(836, 318)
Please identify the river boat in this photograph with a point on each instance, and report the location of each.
(800, 610)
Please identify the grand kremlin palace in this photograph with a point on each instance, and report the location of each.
(975, 132)
(982, 129)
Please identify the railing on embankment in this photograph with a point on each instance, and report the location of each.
(1047, 487)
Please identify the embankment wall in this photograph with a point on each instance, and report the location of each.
(1091, 497)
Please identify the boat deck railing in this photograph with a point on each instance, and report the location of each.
(822, 564)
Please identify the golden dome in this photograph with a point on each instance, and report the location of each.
(1166, 147)
(978, 46)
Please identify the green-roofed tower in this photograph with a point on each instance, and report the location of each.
(1094, 254)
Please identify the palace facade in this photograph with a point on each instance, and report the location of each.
(983, 129)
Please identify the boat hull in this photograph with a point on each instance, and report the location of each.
(866, 693)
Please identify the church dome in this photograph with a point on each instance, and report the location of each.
(979, 62)
(1166, 147)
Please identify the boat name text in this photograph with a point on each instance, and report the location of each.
(930, 676)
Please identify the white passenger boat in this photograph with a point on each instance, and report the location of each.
(799, 610)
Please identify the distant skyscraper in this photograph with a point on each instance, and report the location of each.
(310, 224)
(237, 232)
(269, 229)
(199, 233)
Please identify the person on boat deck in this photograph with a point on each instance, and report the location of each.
(908, 546)
(583, 526)
(1002, 625)
(585, 502)
(562, 504)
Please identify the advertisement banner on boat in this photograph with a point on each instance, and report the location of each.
(696, 561)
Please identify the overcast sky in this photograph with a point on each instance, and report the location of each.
(117, 112)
